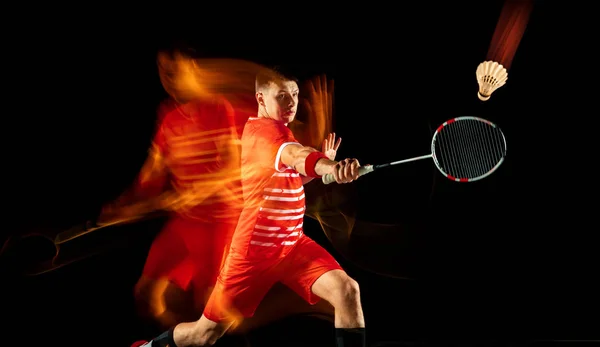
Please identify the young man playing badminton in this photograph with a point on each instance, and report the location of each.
(269, 245)
(193, 171)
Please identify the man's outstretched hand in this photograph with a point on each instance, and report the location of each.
(330, 146)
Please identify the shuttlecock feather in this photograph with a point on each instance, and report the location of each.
(490, 76)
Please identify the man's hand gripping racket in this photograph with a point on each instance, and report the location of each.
(345, 171)
(464, 149)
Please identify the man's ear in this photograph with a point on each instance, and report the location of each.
(260, 99)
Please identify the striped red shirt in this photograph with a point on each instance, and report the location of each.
(274, 203)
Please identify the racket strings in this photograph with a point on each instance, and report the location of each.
(469, 148)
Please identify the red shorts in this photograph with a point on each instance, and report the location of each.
(243, 283)
(189, 253)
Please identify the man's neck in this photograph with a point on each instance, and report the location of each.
(265, 116)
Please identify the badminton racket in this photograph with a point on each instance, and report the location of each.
(464, 149)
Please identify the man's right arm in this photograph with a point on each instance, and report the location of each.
(295, 155)
(302, 159)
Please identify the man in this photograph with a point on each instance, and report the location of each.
(269, 245)
(193, 171)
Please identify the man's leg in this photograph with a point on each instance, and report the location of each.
(343, 293)
(314, 274)
(202, 332)
(241, 286)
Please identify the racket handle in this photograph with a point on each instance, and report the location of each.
(363, 170)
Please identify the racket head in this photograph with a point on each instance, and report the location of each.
(468, 149)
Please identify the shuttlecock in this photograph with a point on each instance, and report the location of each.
(490, 76)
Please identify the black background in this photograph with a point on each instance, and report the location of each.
(506, 258)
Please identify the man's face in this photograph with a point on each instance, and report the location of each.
(281, 100)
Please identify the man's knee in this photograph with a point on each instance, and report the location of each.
(349, 290)
(338, 288)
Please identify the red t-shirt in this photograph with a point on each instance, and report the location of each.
(274, 204)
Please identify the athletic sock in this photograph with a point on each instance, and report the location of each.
(354, 337)
(163, 340)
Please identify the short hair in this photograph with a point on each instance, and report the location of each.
(275, 73)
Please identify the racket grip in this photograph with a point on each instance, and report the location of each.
(363, 170)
